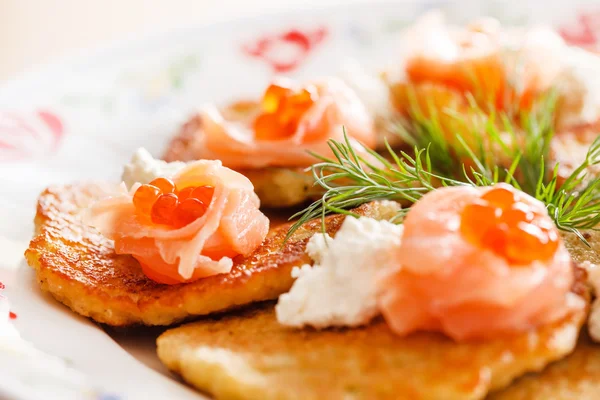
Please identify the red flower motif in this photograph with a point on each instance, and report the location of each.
(286, 51)
(11, 314)
(585, 32)
(24, 135)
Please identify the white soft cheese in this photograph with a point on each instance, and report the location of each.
(143, 168)
(594, 318)
(369, 87)
(341, 288)
(579, 87)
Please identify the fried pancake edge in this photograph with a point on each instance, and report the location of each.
(250, 356)
(77, 265)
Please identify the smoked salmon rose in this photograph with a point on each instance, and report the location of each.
(478, 262)
(291, 122)
(186, 228)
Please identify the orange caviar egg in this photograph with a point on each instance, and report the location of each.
(501, 222)
(164, 208)
(165, 185)
(162, 203)
(282, 109)
(185, 193)
(204, 194)
(500, 197)
(273, 96)
(145, 197)
(188, 211)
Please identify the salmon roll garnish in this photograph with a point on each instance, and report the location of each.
(499, 266)
(185, 228)
(274, 140)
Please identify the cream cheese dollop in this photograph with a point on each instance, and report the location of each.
(341, 288)
(143, 168)
(579, 88)
(369, 87)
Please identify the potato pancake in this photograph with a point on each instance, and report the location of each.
(80, 268)
(577, 377)
(251, 356)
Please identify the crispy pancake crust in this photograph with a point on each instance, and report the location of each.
(79, 267)
(577, 377)
(579, 251)
(277, 187)
(251, 356)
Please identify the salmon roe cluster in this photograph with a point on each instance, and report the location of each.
(161, 202)
(500, 221)
(282, 108)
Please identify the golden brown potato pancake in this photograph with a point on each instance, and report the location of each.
(251, 356)
(277, 187)
(579, 251)
(79, 267)
(577, 377)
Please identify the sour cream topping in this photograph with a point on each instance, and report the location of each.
(341, 288)
(144, 168)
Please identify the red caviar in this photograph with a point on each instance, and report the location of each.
(161, 202)
(501, 222)
(164, 208)
(144, 198)
(282, 109)
(165, 185)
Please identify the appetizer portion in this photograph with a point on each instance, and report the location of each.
(499, 266)
(290, 122)
(495, 68)
(499, 67)
(79, 267)
(477, 88)
(274, 140)
(250, 355)
(186, 228)
(476, 278)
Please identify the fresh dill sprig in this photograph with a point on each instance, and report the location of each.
(575, 204)
(471, 137)
(470, 140)
(350, 180)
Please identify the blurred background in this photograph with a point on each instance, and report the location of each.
(33, 32)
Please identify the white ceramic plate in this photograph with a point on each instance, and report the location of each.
(81, 119)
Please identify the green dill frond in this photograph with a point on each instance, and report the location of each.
(470, 144)
(350, 180)
(488, 142)
(575, 204)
